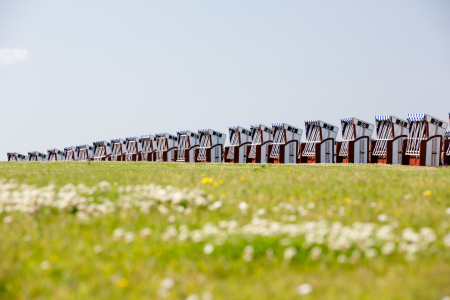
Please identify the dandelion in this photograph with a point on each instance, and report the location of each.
(242, 179)
(304, 289)
(145, 232)
(45, 265)
(427, 193)
(122, 282)
(7, 219)
(289, 253)
(248, 253)
(207, 180)
(208, 249)
(315, 253)
(98, 249)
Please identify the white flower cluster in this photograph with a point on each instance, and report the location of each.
(80, 199)
(366, 238)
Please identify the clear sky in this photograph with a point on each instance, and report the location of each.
(73, 72)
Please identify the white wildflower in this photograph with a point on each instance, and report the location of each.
(304, 289)
(167, 283)
(129, 237)
(104, 186)
(371, 252)
(208, 249)
(289, 253)
(261, 211)
(192, 297)
(243, 206)
(342, 258)
(171, 219)
(215, 205)
(118, 233)
(98, 249)
(7, 219)
(382, 218)
(388, 248)
(145, 232)
(207, 296)
(45, 265)
(447, 240)
(447, 211)
(310, 205)
(315, 253)
(248, 253)
(26, 238)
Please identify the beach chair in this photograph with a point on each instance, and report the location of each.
(14, 156)
(55, 155)
(355, 144)
(70, 154)
(387, 147)
(187, 144)
(240, 139)
(262, 138)
(211, 146)
(133, 148)
(148, 145)
(166, 144)
(84, 152)
(423, 146)
(102, 150)
(118, 148)
(320, 142)
(286, 144)
(36, 156)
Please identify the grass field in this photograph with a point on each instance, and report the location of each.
(221, 231)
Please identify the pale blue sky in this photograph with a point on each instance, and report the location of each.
(106, 69)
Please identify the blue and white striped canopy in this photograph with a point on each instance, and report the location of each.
(182, 131)
(204, 130)
(311, 122)
(383, 118)
(160, 134)
(69, 148)
(416, 117)
(146, 136)
(254, 125)
(79, 146)
(347, 119)
(233, 127)
(116, 140)
(131, 137)
(447, 133)
(98, 142)
(277, 124)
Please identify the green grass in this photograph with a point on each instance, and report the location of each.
(409, 197)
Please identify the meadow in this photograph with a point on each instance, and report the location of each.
(135, 230)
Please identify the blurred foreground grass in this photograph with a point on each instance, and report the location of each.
(57, 255)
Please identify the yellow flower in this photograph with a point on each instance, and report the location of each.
(242, 179)
(220, 181)
(207, 180)
(291, 198)
(122, 282)
(215, 183)
(427, 193)
(347, 199)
